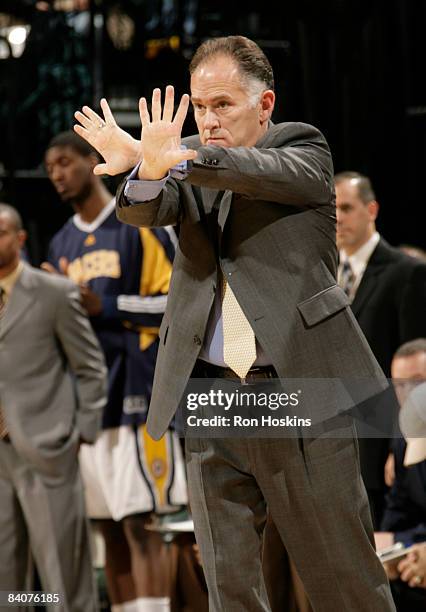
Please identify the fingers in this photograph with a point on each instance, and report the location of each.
(189, 154)
(169, 102)
(156, 105)
(95, 119)
(47, 267)
(416, 581)
(102, 169)
(81, 131)
(411, 573)
(143, 112)
(404, 564)
(168, 109)
(90, 120)
(407, 574)
(85, 121)
(176, 156)
(109, 117)
(63, 265)
(181, 111)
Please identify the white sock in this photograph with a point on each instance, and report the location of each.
(153, 604)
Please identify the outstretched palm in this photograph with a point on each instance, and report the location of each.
(120, 151)
(161, 135)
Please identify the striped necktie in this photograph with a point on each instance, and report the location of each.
(239, 342)
(347, 278)
(3, 428)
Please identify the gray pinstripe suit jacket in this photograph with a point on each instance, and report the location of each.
(276, 237)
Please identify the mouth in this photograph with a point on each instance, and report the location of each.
(213, 140)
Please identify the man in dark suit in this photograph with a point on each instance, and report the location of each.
(387, 290)
(52, 391)
(256, 245)
(404, 518)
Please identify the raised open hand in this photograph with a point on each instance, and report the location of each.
(120, 151)
(63, 265)
(161, 135)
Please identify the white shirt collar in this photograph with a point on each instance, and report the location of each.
(8, 282)
(359, 259)
(92, 227)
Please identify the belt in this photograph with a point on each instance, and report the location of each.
(203, 369)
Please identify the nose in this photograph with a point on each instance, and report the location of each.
(55, 173)
(211, 120)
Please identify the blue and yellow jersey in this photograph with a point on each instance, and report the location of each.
(130, 270)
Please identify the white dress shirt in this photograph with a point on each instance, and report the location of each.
(358, 262)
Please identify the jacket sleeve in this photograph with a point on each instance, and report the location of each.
(163, 210)
(297, 172)
(85, 359)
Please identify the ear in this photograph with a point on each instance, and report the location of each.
(267, 102)
(373, 209)
(22, 237)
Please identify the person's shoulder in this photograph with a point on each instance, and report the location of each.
(294, 130)
(395, 257)
(67, 227)
(293, 133)
(45, 281)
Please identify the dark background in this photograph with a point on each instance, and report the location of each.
(353, 68)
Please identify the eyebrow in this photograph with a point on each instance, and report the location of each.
(59, 159)
(214, 99)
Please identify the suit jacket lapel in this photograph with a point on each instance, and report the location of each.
(209, 197)
(225, 206)
(223, 199)
(21, 298)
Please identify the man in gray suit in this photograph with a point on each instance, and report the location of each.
(52, 391)
(255, 205)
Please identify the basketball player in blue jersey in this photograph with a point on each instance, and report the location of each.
(123, 273)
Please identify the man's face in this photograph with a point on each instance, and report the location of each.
(407, 372)
(355, 219)
(223, 109)
(70, 173)
(11, 241)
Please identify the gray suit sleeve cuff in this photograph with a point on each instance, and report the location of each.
(137, 191)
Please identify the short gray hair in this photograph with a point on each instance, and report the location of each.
(253, 64)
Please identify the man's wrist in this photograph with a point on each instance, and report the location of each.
(150, 174)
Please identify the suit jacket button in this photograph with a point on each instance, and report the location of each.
(197, 340)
